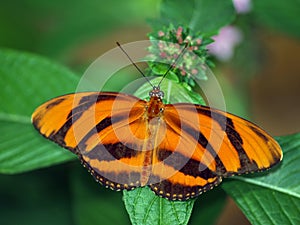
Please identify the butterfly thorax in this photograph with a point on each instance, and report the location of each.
(155, 106)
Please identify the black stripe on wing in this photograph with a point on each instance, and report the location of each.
(184, 165)
(175, 191)
(227, 125)
(126, 180)
(192, 133)
(84, 104)
(235, 139)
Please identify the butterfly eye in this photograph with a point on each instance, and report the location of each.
(160, 94)
(161, 110)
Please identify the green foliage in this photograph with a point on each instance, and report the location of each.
(203, 15)
(146, 208)
(53, 27)
(27, 81)
(278, 15)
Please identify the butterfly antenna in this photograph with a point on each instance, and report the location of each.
(173, 64)
(133, 63)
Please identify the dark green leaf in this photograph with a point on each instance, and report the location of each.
(203, 15)
(144, 207)
(177, 13)
(27, 81)
(279, 15)
(272, 198)
(23, 149)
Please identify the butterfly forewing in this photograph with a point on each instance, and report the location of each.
(96, 127)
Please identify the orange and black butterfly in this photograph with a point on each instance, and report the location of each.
(178, 150)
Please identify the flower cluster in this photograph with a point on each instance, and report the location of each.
(185, 52)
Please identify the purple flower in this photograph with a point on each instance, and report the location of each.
(225, 42)
(242, 6)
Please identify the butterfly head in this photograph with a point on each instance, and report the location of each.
(156, 92)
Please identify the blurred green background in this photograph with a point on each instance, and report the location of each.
(262, 78)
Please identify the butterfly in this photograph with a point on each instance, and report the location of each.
(179, 150)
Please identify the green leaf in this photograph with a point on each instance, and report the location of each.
(161, 69)
(279, 15)
(174, 92)
(275, 197)
(203, 15)
(144, 207)
(27, 81)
